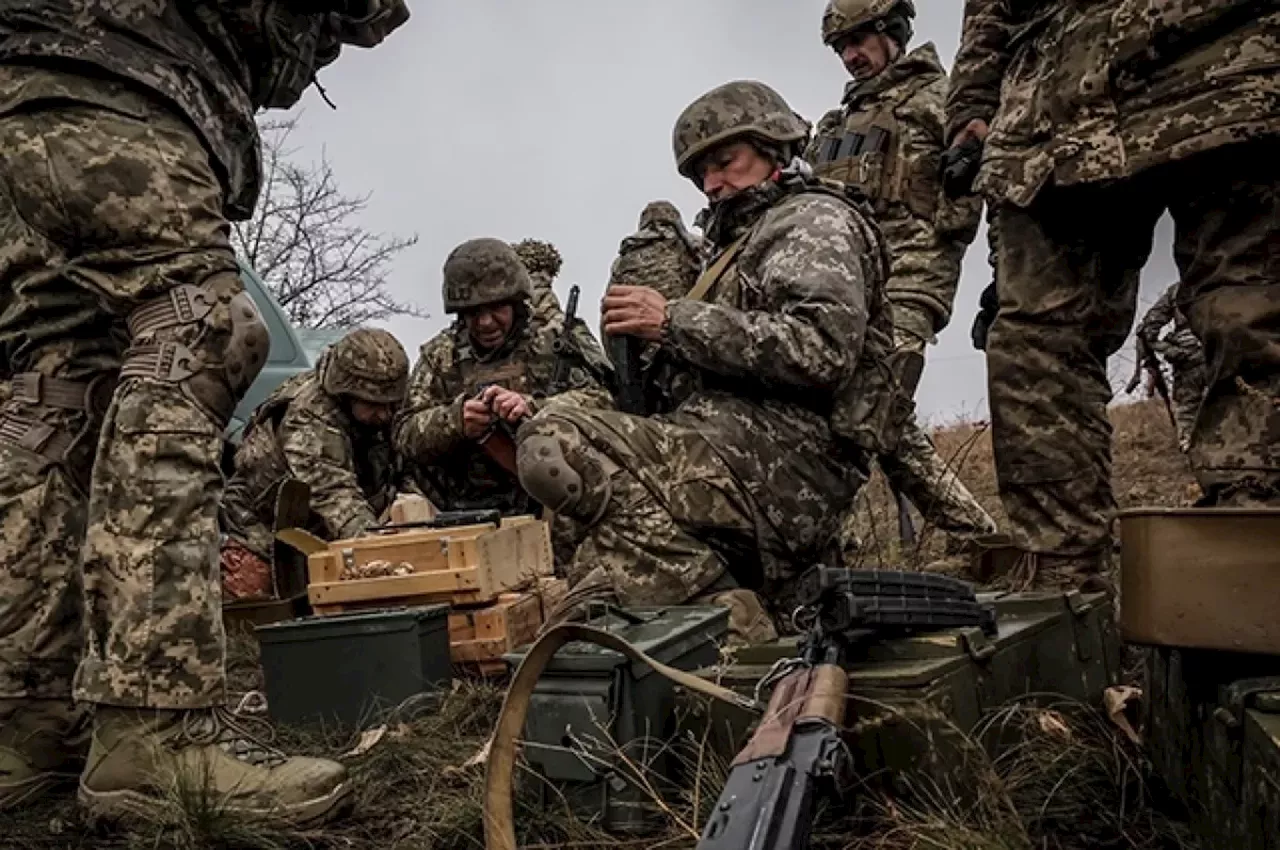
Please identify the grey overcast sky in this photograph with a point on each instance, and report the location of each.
(552, 119)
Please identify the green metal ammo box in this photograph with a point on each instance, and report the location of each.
(350, 669)
(1212, 727)
(595, 717)
(914, 700)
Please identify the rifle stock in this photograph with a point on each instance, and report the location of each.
(767, 801)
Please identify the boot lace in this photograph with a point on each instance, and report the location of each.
(247, 739)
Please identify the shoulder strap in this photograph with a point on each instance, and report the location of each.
(716, 270)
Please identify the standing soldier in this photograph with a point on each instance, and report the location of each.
(1185, 356)
(495, 366)
(744, 483)
(1098, 118)
(129, 143)
(887, 141)
(330, 429)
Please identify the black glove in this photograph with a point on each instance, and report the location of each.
(988, 304)
(960, 166)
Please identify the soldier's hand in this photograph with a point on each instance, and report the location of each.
(476, 418)
(508, 404)
(975, 129)
(634, 311)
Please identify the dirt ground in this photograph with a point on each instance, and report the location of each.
(1071, 782)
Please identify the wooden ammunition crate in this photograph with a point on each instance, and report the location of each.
(479, 637)
(466, 565)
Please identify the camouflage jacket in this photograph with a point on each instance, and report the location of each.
(208, 58)
(302, 432)
(887, 141)
(765, 359)
(1083, 92)
(1180, 347)
(454, 470)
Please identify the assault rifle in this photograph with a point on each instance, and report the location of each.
(564, 346)
(797, 752)
(629, 392)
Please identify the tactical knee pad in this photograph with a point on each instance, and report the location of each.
(210, 340)
(566, 481)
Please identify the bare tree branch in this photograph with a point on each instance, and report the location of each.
(304, 241)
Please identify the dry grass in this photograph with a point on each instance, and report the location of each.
(1063, 779)
(1148, 470)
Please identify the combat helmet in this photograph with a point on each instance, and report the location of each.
(484, 271)
(367, 364)
(891, 17)
(739, 108)
(539, 257)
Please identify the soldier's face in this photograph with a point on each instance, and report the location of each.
(733, 168)
(488, 326)
(866, 54)
(373, 415)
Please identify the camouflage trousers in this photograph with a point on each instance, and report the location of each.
(118, 313)
(659, 511)
(1186, 392)
(1068, 283)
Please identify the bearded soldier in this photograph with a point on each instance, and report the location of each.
(1184, 354)
(494, 367)
(887, 141)
(330, 429)
(1097, 119)
(745, 481)
(129, 143)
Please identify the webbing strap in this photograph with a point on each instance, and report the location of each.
(499, 826)
(35, 436)
(35, 388)
(185, 305)
(712, 275)
(170, 362)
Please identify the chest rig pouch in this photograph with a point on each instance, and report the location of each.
(867, 152)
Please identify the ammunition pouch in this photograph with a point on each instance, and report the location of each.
(212, 349)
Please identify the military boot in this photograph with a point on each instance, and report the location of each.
(150, 764)
(1087, 573)
(42, 746)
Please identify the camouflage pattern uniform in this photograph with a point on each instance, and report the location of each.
(1102, 117)
(451, 369)
(745, 481)
(887, 141)
(305, 431)
(1185, 356)
(129, 142)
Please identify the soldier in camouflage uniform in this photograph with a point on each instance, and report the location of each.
(1098, 118)
(744, 482)
(129, 143)
(329, 428)
(1185, 356)
(499, 343)
(887, 141)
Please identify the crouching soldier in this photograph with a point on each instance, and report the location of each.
(495, 366)
(742, 486)
(330, 429)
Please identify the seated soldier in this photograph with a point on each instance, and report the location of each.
(494, 366)
(329, 428)
(742, 485)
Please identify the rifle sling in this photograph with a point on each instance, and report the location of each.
(499, 823)
(716, 270)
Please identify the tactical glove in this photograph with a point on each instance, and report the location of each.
(988, 304)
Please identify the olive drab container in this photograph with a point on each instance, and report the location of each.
(1200, 592)
(598, 724)
(349, 670)
(914, 701)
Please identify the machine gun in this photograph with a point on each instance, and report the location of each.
(797, 752)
